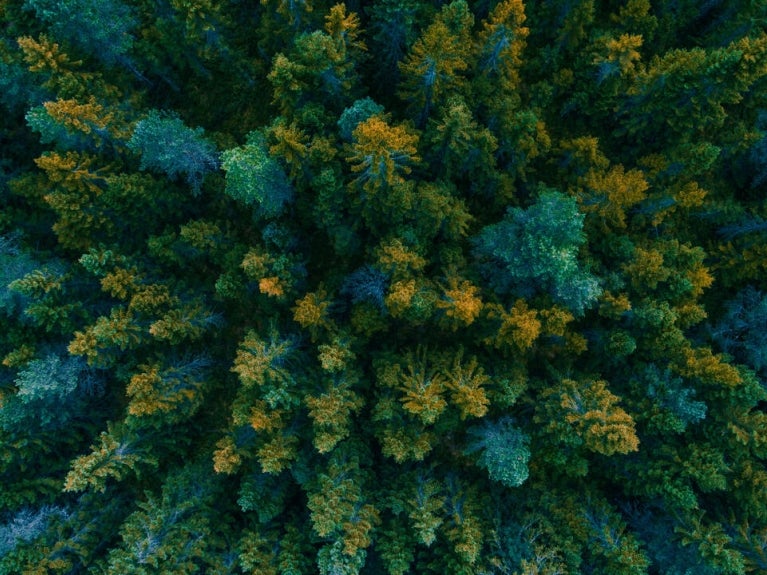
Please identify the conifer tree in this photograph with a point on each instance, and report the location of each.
(166, 144)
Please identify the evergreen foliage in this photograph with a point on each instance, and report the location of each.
(505, 451)
(168, 145)
(100, 28)
(255, 178)
(398, 287)
(538, 248)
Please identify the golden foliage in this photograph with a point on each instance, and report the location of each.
(311, 312)
(344, 28)
(337, 356)
(400, 296)
(690, 195)
(647, 269)
(461, 302)
(398, 259)
(589, 412)
(291, 144)
(120, 283)
(502, 41)
(358, 529)
(255, 263)
(225, 457)
(466, 383)
(276, 454)
(44, 55)
(271, 286)
(331, 412)
(19, 356)
(624, 51)
(614, 305)
(700, 363)
(264, 418)
(615, 192)
(519, 327)
(260, 361)
(382, 154)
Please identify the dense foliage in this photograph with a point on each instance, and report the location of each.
(404, 286)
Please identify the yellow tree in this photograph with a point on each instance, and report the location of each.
(170, 392)
(586, 413)
(467, 381)
(499, 50)
(63, 75)
(311, 312)
(382, 156)
(460, 301)
(612, 193)
(77, 182)
(430, 72)
(266, 402)
(332, 408)
(519, 327)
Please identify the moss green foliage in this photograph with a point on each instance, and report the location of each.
(398, 287)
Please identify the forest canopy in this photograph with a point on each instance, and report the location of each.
(474, 287)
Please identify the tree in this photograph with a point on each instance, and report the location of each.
(499, 54)
(77, 181)
(467, 383)
(667, 404)
(611, 194)
(47, 395)
(366, 284)
(461, 146)
(173, 531)
(73, 125)
(331, 410)
(168, 145)
(256, 179)
(587, 414)
(101, 29)
(504, 451)
(738, 333)
(461, 303)
(381, 156)
(430, 71)
(25, 527)
(536, 249)
(320, 72)
(118, 454)
(171, 393)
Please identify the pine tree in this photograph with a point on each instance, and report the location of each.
(100, 29)
(168, 145)
(255, 178)
(430, 73)
(537, 248)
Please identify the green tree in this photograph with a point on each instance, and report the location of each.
(256, 179)
(167, 144)
(537, 249)
(504, 451)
